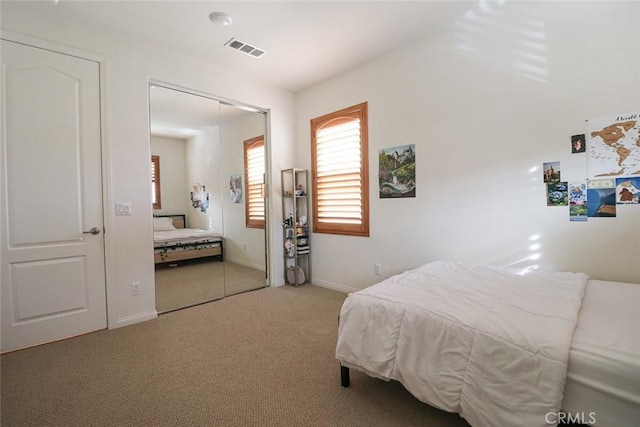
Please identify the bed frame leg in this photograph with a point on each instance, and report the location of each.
(344, 372)
(344, 376)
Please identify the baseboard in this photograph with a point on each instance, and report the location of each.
(136, 318)
(245, 263)
(334, 286)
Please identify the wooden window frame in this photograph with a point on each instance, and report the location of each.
(155, 182)
(356, 112)
(249, 188)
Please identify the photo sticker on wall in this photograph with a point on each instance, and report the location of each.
(578, 201)
(557, 194)
(578, 143)
(627, 191)
(551, 171)
(601, 198)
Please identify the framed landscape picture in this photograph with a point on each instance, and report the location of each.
(397, 172)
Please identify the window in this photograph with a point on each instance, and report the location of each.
(339, 172)
(254, 181)
(155, 182)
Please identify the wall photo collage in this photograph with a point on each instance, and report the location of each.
(611, 146)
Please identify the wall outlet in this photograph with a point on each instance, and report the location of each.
(377, 269)
(244, 246)
(135, 288)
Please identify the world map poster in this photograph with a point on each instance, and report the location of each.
(613, 146)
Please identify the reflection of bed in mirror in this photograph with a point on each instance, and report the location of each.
(173, 242)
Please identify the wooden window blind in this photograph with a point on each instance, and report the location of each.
(340, 172)
(155, 182)
(254, 182)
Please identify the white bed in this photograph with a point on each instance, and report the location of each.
(172, 242)
(492, 345)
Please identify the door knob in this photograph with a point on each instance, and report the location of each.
(94, 230)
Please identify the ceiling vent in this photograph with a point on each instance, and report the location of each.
(243, 47)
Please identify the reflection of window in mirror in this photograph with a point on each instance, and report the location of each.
(155, 182)
(253, 181)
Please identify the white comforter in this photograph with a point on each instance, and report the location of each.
(482, 341)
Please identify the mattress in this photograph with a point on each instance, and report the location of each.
(184, 236)
(603, 375)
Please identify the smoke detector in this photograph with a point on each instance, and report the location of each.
(221, 18)
(246, 48)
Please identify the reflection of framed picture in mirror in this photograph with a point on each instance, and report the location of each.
(289, 233)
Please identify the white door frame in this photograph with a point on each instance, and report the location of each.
(105, 152)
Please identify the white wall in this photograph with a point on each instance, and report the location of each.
(482, 129)
(173, 174)
(129, 67)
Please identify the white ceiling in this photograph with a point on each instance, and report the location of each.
(306, 41)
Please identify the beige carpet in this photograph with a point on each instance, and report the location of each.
(262, 358)
(205, 280)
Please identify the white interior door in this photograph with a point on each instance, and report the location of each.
(53, 274)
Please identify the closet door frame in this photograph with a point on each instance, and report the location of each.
(267, 152)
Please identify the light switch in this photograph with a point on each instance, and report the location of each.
(123, 208)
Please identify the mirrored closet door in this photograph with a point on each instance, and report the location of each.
(207, 163)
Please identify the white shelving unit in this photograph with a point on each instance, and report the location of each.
(295, 226)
